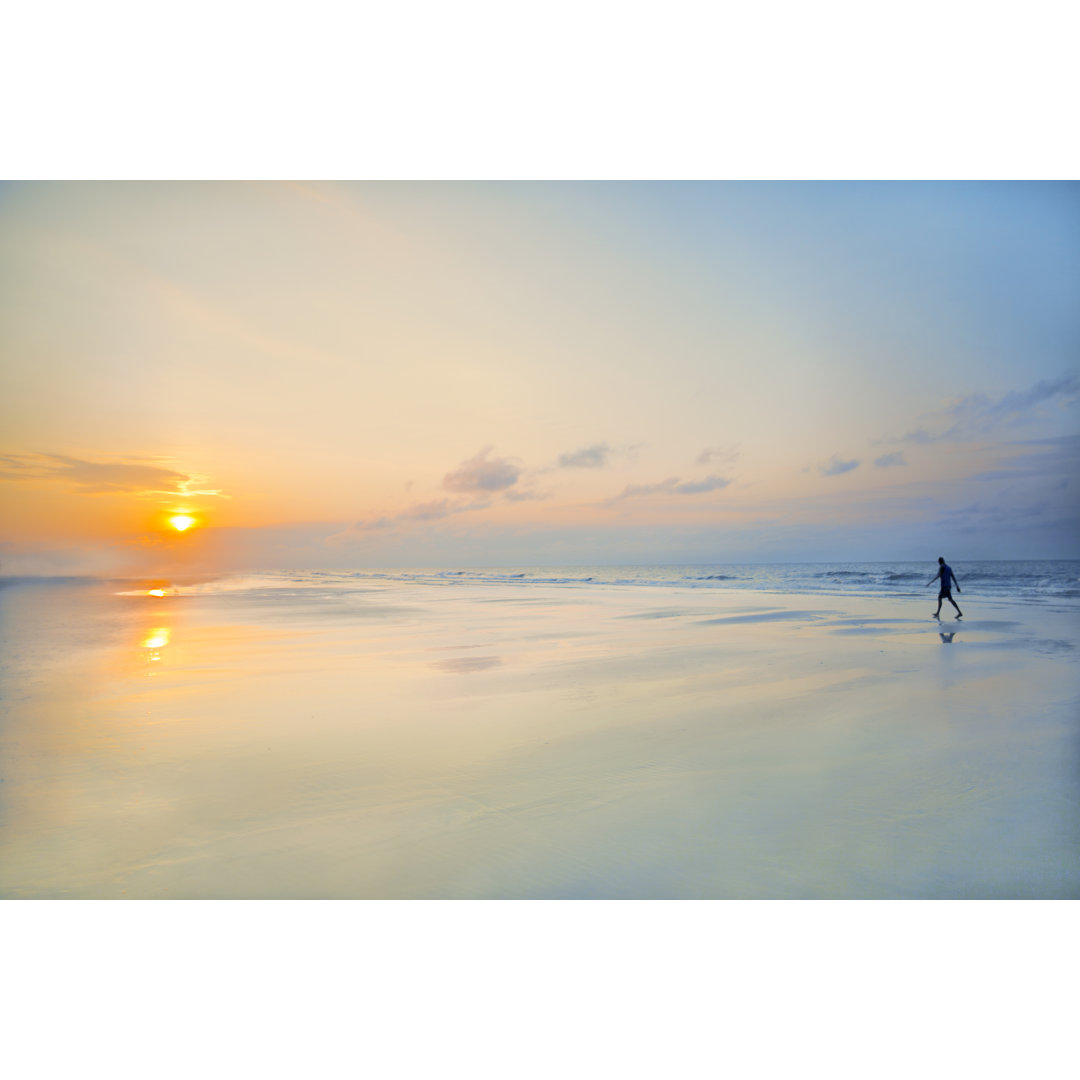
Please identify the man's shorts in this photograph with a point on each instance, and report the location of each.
(945, 594)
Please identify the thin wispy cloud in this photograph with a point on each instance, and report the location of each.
(588, 457)
(103, 477)
(429, 511)
(482, 473)
(996, 517)
(920, 436)
(977, 415)
(699, 487)
(673, 486)
(836, 466)
(722, 454)
(434, 510)
(890, 461)
(1054, 459)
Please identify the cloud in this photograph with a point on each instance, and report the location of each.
(588, 457)
(919, 436)
(102, 477)
(481, 476)
(836, 467)
(1040, 459)
(672, 486)
(435, 510)
(976, 415)
(481, 473)
(634, 490)
(429, 511)
(997, 517)
(726, 454)
(697, 487)
(888, 461)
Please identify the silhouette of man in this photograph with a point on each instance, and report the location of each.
(948, 579)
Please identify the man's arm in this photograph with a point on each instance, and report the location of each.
(956, 583)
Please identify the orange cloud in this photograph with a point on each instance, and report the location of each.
(101, 478)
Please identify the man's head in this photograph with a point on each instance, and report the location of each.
(941, 559)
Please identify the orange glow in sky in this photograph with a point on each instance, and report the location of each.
(581, 373)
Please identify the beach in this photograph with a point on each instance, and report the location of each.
(401, 739)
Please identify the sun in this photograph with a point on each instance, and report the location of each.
(181, 522)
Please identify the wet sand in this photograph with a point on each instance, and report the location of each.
(411, 741)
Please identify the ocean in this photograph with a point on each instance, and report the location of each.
(1036, 581)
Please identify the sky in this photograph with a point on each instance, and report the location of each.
(491, 374)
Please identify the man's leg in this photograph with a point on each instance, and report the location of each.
(959, 613)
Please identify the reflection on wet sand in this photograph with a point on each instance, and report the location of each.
(288, 746)
(154, 642)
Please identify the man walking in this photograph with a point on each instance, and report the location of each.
(948, 578)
